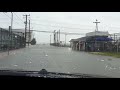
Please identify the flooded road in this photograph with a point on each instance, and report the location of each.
(61, 59)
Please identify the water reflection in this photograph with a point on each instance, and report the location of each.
(69, 49)
(102, 60)
(111, 67)
(15, 65)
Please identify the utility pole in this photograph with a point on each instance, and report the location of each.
(59, 37)
(117, 43)
(96, 25)
(65, 38)
(50, 39)
(11, 28)
(29, 33)
(114, 39)
(54, 36)
(9, 39)
(26, 16)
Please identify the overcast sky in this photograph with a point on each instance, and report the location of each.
(77, 22)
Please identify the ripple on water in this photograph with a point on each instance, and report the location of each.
(102, 60)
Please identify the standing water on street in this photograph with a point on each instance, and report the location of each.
(52, 44)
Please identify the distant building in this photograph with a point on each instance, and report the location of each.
(97, 33)
(14, 40)
(93, 41)
(22, 32)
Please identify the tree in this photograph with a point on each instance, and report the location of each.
(33, 42)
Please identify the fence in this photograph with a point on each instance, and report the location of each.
(116, 41)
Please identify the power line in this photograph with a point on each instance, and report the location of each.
(62, 23)
(13, 20)
(7, 15)
(71, 28)
(19, 18)
(71, 24)
(67, 33)
(60, 26)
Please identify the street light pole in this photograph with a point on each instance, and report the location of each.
(65, 38)
(50, 39)
(11, 26)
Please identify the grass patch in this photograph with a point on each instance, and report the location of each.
(113, 54)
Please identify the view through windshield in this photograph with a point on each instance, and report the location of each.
(63, 42)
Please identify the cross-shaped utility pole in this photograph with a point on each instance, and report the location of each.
(96, 24)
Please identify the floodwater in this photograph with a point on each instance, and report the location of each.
(61, 59)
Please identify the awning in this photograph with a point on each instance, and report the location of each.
(103, 39)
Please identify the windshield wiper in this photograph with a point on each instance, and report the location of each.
(45, 74)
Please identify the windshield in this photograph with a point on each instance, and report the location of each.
(64, 42)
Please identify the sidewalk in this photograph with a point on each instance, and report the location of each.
(113, 54)
(11, 52)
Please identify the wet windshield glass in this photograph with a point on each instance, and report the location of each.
(64, 42)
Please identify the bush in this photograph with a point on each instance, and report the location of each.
(33, 42)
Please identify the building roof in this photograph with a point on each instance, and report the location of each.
(73, 40)
(98, 33)
(95, 33)
(78, 39)
(20, 30)
(17, 31)
(82, 39)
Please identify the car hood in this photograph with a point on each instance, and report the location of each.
(45, 74)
